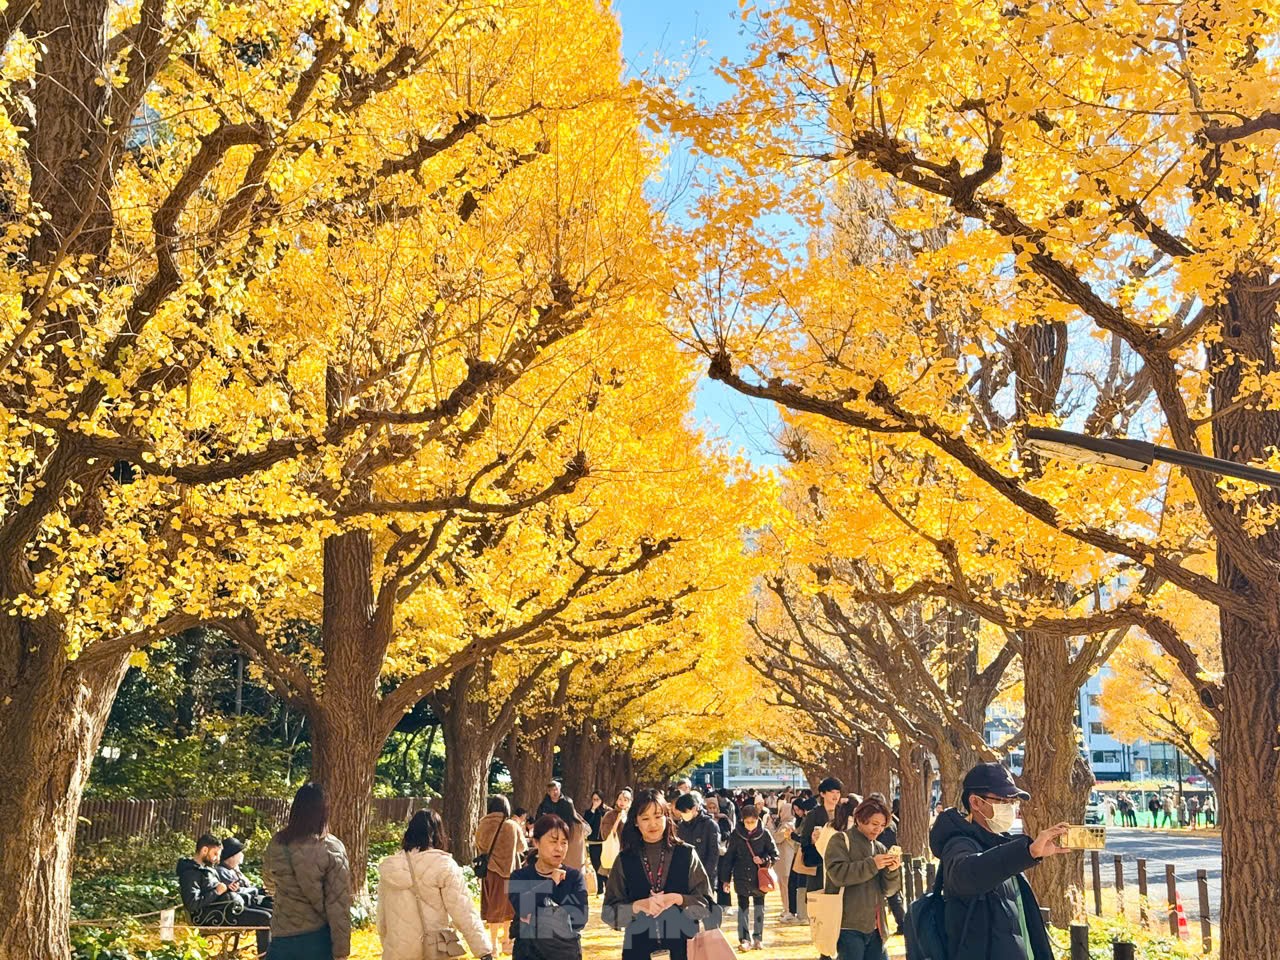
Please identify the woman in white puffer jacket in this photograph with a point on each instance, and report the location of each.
(423, 901)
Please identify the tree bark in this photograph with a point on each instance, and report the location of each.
(344, 758)
(531, 769)
(877, 765)
(1053, 772)
(580, 753)
(346, 723)
(913, 812)
(1249, 767)
(53, 716)
(468, 754)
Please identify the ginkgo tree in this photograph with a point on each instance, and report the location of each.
(313, 296)
(1106, 173)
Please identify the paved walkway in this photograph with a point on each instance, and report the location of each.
(789, 942)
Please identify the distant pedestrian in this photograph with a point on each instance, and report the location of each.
(594, 816)
(784, 833)
(696, 827)
(502, 840)
(1153, 805)
(751, 849)
(1170, 810)
(1184, 812)
(1193, 811)
(1210, 811)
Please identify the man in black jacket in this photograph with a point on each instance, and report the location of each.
(208, 900)
(696, 827)
(991, 912)
(556, 802)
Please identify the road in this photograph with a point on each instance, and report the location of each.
(1187, 851)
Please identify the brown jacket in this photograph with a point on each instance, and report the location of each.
(507, 845)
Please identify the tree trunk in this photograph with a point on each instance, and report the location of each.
(913, 813)
(468, 754)
(344, 759)
(53, 714)
(530, 769)
(1054, 774)
(951, 771)
(1249, 763)
(580, 752)
(877, 765)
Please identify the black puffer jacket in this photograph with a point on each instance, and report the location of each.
(703, 834)
(982, 887)
(739, 860)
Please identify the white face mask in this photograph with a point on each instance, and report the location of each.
(1002, 816)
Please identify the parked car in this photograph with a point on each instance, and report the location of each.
(1094, 811)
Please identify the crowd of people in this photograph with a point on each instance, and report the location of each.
(667, 872)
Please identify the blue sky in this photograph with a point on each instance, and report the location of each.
(657, 30)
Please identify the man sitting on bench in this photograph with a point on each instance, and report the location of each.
(211, 902)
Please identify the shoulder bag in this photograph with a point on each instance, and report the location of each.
(480, 865)
(436, 944)
(766, 877)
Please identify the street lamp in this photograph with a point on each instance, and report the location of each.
(1135, 455)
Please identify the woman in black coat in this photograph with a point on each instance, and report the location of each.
(658, 891)
(751, 848)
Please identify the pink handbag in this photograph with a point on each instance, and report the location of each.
(711, 945)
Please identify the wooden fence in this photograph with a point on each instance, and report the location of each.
(1136, 901)
(143, 819)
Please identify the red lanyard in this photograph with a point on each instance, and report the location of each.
(655, 880)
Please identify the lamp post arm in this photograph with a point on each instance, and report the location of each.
(1198, 461)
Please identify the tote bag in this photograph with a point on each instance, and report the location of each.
(826, 911)
(711, 945)
(612, 846)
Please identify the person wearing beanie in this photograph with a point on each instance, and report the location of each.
(990, 911)
(257, 904)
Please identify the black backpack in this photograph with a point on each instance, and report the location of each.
(926, 924)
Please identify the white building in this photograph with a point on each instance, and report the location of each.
(748, 764)
(1110, 758)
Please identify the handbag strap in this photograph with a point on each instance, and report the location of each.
(413, 874)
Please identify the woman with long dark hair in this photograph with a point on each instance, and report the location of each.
(658, 890)
(306, 869)
(502, 842)
(423, 901)
(548, 897)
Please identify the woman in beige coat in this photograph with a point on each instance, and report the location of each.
(503, 840)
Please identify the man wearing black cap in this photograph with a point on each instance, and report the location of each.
(991, 912)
